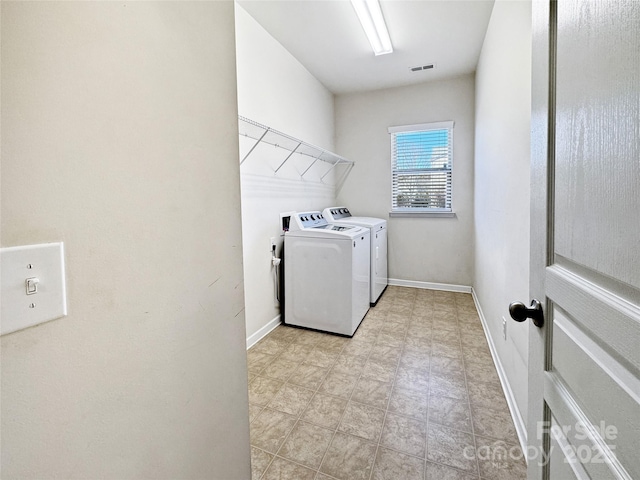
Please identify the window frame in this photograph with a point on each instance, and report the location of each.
(421, 211)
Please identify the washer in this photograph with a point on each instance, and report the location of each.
(378, 227)
(326, 274)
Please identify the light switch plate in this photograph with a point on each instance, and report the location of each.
(45, 262)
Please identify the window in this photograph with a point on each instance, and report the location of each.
(421, 160)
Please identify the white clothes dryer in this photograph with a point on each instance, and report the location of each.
(326, 274)
(378, 228)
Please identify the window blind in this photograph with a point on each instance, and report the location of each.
(421, 165)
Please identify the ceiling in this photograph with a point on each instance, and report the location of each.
(326, 37)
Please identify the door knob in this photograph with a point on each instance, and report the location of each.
(520, 312)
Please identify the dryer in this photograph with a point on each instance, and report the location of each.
(326, 274)
(378, 228)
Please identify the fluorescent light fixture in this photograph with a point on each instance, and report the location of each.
(370, 16)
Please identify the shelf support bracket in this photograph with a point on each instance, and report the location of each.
(312, 164)
(332, 167)
(288, 157)
(343, 178)
(254, 146)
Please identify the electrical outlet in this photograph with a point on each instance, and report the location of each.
(272, 247)
(504, 328)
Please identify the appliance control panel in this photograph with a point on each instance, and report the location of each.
(306, 220)
(339, 212)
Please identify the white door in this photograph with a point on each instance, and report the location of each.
(584, 365)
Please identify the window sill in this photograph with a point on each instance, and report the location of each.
(423, 214)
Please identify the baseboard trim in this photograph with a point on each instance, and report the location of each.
(263, 332)
(518, 421)
(446, 287)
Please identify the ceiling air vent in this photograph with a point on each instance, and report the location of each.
(423, 67)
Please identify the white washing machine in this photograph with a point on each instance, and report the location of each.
(323, 261)
(378, 228)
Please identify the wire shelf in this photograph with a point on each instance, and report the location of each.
(293, 146)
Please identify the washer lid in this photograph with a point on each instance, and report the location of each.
(335, 228)
(331, 231)
(369, 222)
(336, 215)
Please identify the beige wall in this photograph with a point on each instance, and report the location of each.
(503, 109)
(437, 250)
(119, 137)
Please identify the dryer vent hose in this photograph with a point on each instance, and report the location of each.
(275, 261)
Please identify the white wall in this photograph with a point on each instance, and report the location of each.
(274, 89)
(503, 108)
(120, 139)
(421, 249)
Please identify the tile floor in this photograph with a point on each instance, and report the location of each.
(413, 395)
